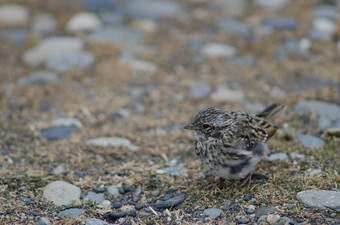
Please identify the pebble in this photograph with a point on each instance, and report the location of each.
(100, 5)
(28, 201)
(66, 122)
(277, 157)
(155, 193)
(127, 188)
(44, 24)
(262, 219)
(227, 95)
(79, 173)
(150, 222)
(60, 169)
(17, 36)
(44, 221)
(97, 198)
(117, 205)
(281, 23)
(324, 109)
(199, 90)
(251, 209)
(94, 221)
(39, 78)
(309, 141)
(272, 219)
(212, 212)
(323, 30)
(286, 221)
(106, 203)
(13, 15)
(233, 26)
(217, 50)
(173, 171)
(236, 8)
(65, 61)
(58, 133)
(83, 21)
(117, 215)
(116, 35)
(321, 199)
(148, 9)
(71, 213)
(243, 220)
(170, 203)
(113, 190)
(113, 142)
(272, 5)
(325, 11)
(62, 193)
(50, 46)
(263, 211)
(240, 61)
(324, 122)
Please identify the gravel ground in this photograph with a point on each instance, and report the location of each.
(94, 95)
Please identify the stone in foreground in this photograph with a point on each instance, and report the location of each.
(62, 193)
(170, 203)
(212, 212)
(320, 199)
(71, 213)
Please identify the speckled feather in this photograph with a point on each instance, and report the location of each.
(232, 143)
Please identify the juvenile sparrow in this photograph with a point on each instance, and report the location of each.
(230, 144)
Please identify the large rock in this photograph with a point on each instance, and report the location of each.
(325, 109)
(62, 193)
(13, 15)
(320, 199)
(48, 47)
(83, 21)
(309, 141)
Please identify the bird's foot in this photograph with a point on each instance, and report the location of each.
(221, 183)
(246, 180)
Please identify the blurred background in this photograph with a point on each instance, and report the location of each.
(98, 90)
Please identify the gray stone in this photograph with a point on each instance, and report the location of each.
(48, 47)
(286, 221)
(243, 220)
(213, 212)
(277, 157)
(173, 171)
(58, 133)
(100, 5)
(289, 205)
(320, 199)
(94, 221)
(83, 21)
(312, 172)
(44, 24)
(309, 141)
(113, 142)
(113, 190)
(17, 36)
(66, 122)
(155, 193)
(295, 155)
(95, 197)
(324, 122)
(263, 211)
(317, 35)
(111, 18)
(233, 26)
(325, 11)
(13, 15)
(199, 90)
(148, 9)
(71, 213)
(323, 30)
(44, 221)
(39, 78)
(281, 23)
(63, 62)
(62, 193)
(325, 109)
(272, 4)
(251, 209)
(225, 94)
(117, 35)
(217, 50)
(170, 203)
(307, 83)
(262, 219)
(272, 219)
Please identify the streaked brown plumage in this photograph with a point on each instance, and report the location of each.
(232, 143)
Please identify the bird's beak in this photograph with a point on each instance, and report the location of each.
(190, 126)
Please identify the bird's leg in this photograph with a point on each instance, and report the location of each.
(247, 179)
(221, 183)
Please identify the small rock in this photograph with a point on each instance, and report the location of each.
(13, 15)
(39, 78)
(333, 131)
(106, 204)
(170, 203)
(100, 189)
(325, 11)
(58, 133)
(199, 90)
(117, 205)
(309, 141)
(127, 188)
(113, 142)
(64, 61)
(324, 109)
(155, 193)
(44, 221)
(243, 220)
(100, 5)
(320, 199)
(117, 35)
(224, 94)
(94, 221)
(263, 211)
(44, 24)
(277, 156)
(71, 213)
(212, 212)
(251, 209)
(28, 201)
(233, 26)
(62, 193)
(61, 168)
(117, 215)
(79, 173)
(173, 171)
(312, 172)
(216, 50)
(289, 205)
(17, 36)
(272, 5)
(281, 23)
(240, 61)
(150, 222)
(113, 190)
(66, 122)
(324, 25)
(83, 21)
(262, 219)
(295, 155)
(148, 9)
(95, 198)
(286, 221)
(272, 219)
(48, 47)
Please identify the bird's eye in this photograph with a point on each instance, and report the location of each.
(206, 126)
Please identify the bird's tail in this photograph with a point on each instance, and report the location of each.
(270, 111)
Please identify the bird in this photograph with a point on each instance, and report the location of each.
(231, 143)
